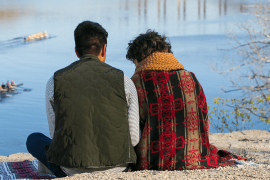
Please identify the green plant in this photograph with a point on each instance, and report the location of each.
(237, 114)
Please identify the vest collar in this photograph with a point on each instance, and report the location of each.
(89, 56)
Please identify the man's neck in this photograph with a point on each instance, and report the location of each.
(88, 55)
(91, 56)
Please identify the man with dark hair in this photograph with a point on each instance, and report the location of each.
(92, 111)
(90, 38)
(173, 111)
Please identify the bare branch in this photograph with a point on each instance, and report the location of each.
(251, 73)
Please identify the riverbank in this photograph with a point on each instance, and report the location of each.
(252, 144)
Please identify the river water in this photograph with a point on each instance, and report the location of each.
(196, 29)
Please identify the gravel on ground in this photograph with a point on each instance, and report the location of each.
(252, 144)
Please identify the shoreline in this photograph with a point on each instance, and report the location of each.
(252, 144)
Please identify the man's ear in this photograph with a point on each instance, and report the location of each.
(103, 50)
(77, 52)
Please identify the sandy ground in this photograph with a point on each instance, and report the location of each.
(252, 144)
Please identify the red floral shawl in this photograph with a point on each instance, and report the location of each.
(173, 118)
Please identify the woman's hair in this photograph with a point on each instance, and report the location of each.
(146, 44)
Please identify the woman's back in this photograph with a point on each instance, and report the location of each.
(173, 110)
(174, 118)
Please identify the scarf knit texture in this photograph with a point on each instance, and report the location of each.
(159, 61)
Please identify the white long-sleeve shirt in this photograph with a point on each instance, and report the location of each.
(133, 120)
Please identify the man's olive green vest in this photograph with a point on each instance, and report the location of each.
(91, 118)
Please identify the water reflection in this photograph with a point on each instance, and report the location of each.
(204, 9)
(165, 4)
(144, 14)
(126, 7)
(148, 14)
(158, 10)
(200, 6)
(145, 10)
(8, 13)
(183, 10)
(178, 8)
(183, 7)
(139, 10)
(219, 5)
(199, 9)
(225, 7)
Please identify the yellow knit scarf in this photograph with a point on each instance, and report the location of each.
(159, 61)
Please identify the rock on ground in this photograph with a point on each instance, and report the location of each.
(17, 157)
(252, 144)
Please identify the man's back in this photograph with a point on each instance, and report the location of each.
(91, 116)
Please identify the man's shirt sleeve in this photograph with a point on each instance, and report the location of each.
(49, 98)
(133, 110)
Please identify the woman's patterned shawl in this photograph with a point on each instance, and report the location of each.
(173, 118)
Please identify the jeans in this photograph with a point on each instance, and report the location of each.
(35, 144)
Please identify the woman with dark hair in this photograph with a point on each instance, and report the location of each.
(173, 110)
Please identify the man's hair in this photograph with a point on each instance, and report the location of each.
(89, 37)
(146, 44)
